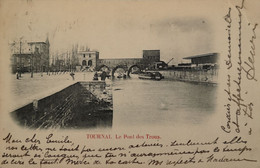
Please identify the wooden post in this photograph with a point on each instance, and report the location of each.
(20, 62)
(31, 62)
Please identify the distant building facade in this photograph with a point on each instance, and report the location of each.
(88, 59)
(202, 68)
(30, 56)
(151, 56)
(209, 58)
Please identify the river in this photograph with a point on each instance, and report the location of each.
(165, 103)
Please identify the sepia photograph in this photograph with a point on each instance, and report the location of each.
(160, 70)
(124, 83)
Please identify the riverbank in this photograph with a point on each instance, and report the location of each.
(83, 104)
(27, 89)
(193, 76)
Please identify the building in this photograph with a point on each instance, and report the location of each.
(41, 57)
(151, 56)
(21, 60)
(28, 56)
(210, 58)
(88, 59)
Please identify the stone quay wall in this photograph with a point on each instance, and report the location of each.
(197, 76)
(82, 100)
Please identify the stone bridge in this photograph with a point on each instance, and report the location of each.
(90, 59)
(127, 64)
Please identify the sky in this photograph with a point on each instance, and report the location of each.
(117, 28)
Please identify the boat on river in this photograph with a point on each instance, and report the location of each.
(151, 75)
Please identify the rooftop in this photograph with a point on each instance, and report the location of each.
(202, 55)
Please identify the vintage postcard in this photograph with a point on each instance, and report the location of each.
(129, 83)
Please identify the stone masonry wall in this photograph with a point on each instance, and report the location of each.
(196, 76)
(61, 109)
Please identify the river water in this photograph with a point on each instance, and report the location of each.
(161, 103)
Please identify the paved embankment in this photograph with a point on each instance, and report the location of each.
(27, 89)
(83, 104)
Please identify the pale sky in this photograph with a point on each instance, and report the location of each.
(117, 28)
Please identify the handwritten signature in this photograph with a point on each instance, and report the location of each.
(237, 103)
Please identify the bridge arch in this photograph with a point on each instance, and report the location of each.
(117, 67)
(103, 66)
(131, 67)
